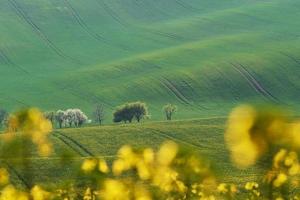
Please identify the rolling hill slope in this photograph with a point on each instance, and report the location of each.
(205, 136)
(205, 56)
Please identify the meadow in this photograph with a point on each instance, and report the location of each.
(205, 56)
(205, 136)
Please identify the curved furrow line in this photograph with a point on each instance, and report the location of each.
(36, 29)
(85, 27)
(164, 34)
(186, 6)
(167, 136)
(9, 62)
(192, 89)
(254, 83)
(18, 175)
(259, 85)
(68, 144)
(111, 13)
(169, 85)
(82, 23)
(126, 25)
(75, 143)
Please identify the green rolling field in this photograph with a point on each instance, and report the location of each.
(206, 56)
(202, 135)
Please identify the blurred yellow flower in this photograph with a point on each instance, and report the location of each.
(119, 166)
(4, 176)
(32, 124)
(141, 193)
(167, 153)
(244, 151)
(251, 186)
(251, 132)
(89, 165)
(293, 135)
(143, 170)
(114, 190)
(280, 180)
(38, 193)
(10, 193)
(103, 167)
(222, 188)
(279, 157)
(148, 155)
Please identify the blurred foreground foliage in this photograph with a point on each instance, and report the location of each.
(254, 136)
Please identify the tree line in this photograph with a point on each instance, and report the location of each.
(75, 117)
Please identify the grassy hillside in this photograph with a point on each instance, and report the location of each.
(204, 135)
(205, 56)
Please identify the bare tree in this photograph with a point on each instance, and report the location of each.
(169, 110)
(3, 116)
(99, 114)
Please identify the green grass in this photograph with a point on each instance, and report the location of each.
(79, 52)
(205, 136)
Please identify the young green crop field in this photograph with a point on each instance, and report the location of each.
(205, 136)
(205, 56)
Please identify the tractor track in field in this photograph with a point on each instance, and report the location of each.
(164, 34)
(167, 136)
(253, 82)
(111, 13)
(17, 174)
(36, 29)
(8, 61)
(86, 28)
(126, 25)
(73, 144)
(171, 87)
(186, 6)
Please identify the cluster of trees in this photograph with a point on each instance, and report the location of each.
(67, 118)
(76, 118)
(138, 111)
(130, 111)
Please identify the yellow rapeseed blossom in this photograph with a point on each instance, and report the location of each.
(32, 124)
(119, 166)
(11, 193)
(222, 188)
(251, 186)
(280, 180)
(102, 166)
(148, 155)
(4, 176)
(293, 135)
(167, 153)
(126, 153)
(143, 170)
(279, 157)
(141, 193)
(244, 151)
(89, 165)
(88, 195)
(38, 193)
(114, 190)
